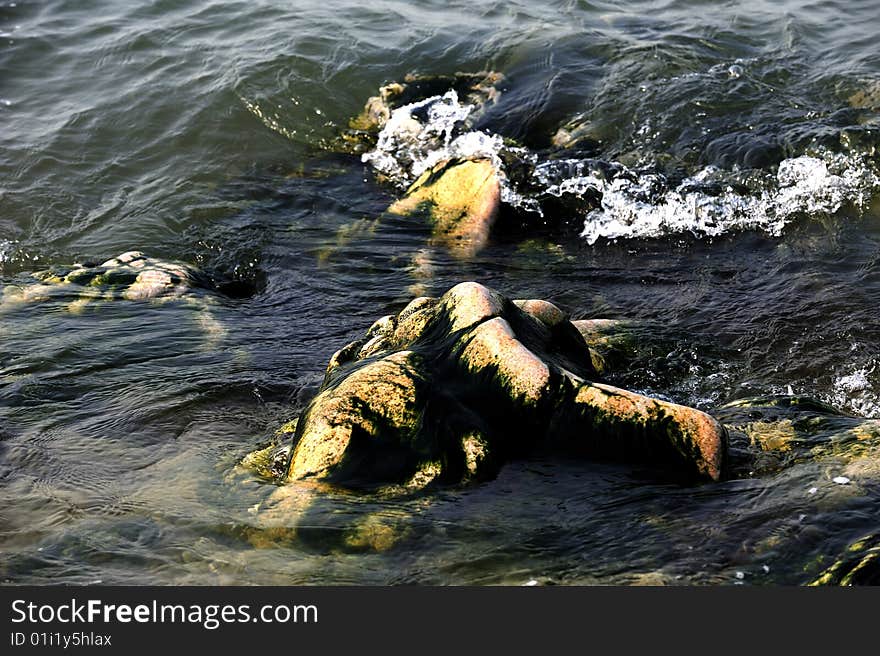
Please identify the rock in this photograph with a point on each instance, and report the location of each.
(576, 134)
(769, 434)
(868, 97)
(475, 89)
(450, 388)
(408, 134)
(461, 200)
(131, 275)
(611, 341)
(368, 420)
(543, 311)
(858, 565)
(271, 461)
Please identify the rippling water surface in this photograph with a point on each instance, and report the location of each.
(200, 131)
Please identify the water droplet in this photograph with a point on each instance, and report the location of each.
(841, 480)
(766, 569)
(813, 490)
(740, 575)
(735, 71)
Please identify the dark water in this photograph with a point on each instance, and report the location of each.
(197, 131)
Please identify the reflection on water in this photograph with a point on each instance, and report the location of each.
(198, 132)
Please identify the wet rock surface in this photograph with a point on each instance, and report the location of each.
(461, 200)
(452, 387)
(131, 276)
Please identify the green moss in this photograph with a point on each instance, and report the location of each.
(288, 428)
(260, 461)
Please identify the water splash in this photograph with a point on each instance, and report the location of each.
(713, 202)
(13, 255)
(855, 391)
(614, 201)
(420, 135)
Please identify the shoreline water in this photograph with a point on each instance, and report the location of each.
(201, 134)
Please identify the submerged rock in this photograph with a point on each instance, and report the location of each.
(461, 199)
(868, 97)
(452, 387)
(131, 276)
(858, 565)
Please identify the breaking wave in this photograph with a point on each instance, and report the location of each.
(614, 201)
(713, 202)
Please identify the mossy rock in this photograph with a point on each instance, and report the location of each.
(461, 200)
(858, 565)
(452, 387)
(131, 276)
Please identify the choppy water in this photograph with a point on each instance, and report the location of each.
(199, 131)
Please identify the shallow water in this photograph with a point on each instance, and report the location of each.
(199, 131)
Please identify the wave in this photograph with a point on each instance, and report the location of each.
(614, 201)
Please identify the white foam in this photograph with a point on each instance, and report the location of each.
(805, 185)
(407, 145)
(6, 247)
(855, 391)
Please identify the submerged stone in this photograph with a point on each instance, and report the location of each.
(858, 565)
(868, 97)
(611, 341)
(461, 200)
(450, 388)
(131, 275)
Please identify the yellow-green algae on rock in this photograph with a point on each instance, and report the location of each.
(460, 198)
(858, 565)
(451, 387)
(131, 275)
